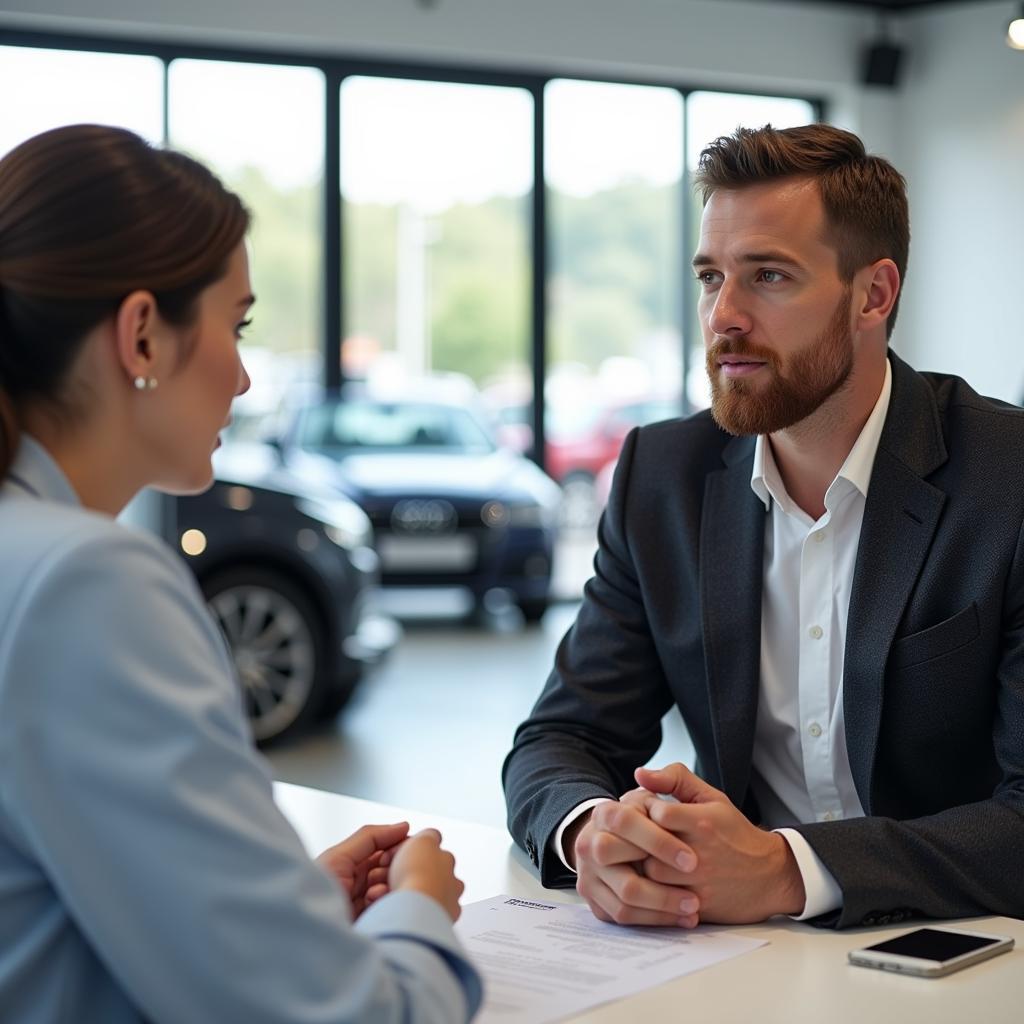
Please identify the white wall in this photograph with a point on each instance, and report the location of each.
(962, 147)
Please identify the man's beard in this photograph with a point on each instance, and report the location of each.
(813, 374)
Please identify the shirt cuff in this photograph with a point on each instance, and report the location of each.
(556, 841)
(410, 916)
(821, 889)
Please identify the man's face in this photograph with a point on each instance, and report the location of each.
(774, 313)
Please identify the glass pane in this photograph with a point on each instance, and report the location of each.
(712, 114)
(436, 178)
(613, 167)
(57, 87)
(260, 127)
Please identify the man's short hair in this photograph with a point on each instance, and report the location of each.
(865, 197)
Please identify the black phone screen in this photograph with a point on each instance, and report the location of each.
(932, 944)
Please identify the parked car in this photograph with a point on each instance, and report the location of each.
(287, 566)
(448, 506)
(584, 449)
(581, 442)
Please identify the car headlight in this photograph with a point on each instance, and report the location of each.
(345, 523)
(529, 516)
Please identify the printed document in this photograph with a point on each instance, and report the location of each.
(545, 961)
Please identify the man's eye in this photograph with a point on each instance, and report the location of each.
(771, 276)
(706, 276)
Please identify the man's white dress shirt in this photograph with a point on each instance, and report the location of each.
(801, 770)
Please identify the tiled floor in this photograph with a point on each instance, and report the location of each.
(431, 729)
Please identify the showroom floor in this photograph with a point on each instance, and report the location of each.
(430, 730)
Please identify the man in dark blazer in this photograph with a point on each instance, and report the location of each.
(825, 574)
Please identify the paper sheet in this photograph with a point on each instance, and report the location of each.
(545, 961)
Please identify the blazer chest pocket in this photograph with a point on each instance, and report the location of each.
(938, 640)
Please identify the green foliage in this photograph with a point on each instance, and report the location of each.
(480, 288)
(370, 256)
(615, 269)
(615, 274)
(286, 260)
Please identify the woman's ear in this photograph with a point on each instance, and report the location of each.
(136, 327)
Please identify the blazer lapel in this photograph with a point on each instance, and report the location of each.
(901, 514)
(731, 569)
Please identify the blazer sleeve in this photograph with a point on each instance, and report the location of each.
(599, 715)
(963, 861)
(129, 776)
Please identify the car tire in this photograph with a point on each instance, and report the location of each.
(279, 645)
(337, 697)
(533, 609)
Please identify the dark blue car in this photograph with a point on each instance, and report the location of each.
(448, 506)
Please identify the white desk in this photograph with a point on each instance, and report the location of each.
(801, 976)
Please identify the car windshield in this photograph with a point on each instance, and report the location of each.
(360, 425)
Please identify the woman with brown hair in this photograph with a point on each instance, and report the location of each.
(145, 873)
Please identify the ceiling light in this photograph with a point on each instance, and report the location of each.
(1015, 31)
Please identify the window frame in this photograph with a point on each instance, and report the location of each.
(338, 66)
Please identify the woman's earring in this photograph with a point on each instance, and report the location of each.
(145, 383)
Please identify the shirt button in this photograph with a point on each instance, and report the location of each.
(816, 632)
(829, 816)
(819, 537)
(814, 729)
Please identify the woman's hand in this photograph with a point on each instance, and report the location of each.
(359, 863)
(420, 865)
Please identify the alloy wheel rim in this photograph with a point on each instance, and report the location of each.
(273, 651)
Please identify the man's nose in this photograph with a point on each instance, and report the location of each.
(729, 315)
(243, 379)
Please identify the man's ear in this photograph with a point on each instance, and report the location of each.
(135, 326)
(878, 291)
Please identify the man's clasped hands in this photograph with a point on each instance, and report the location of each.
(677, 852)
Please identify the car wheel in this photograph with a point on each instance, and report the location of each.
(533, 609)
(278, 642)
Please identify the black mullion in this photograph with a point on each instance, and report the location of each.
(166, 504)
(333, 291)
(686, 280)
(538, 279)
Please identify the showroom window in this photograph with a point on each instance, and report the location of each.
(435, 179)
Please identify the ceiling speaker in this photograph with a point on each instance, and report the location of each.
(881, 64)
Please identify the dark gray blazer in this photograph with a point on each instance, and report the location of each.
(933, 684)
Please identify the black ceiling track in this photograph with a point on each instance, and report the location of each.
(889, 6)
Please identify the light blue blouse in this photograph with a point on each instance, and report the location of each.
(145, 872)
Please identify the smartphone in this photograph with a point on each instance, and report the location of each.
(931, 952)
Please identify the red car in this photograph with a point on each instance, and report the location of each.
(579, 446)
